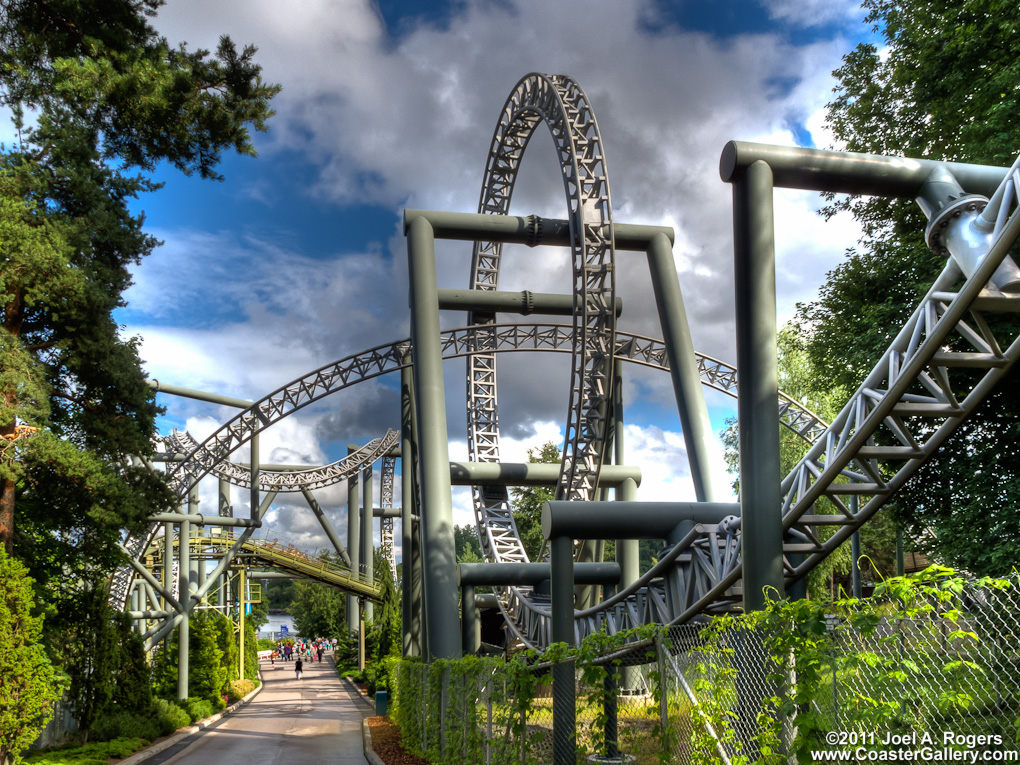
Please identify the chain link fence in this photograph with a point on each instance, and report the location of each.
(686, 698)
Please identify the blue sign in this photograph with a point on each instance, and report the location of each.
(283, 628)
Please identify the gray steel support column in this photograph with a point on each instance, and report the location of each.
(471, 628)
(225, 511)
(136, 606)
(254, 468)
(410, 591)
(367, 546)
(628, 551)
(353, 539)
(195, 576)
(440, 561)
(168, 560)
(326, 526)
(564, 701)
(184, 596)
(755, 278)
(855, 552)
(683, 368)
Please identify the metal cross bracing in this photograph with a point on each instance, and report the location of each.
(500, 535)
(389, 467)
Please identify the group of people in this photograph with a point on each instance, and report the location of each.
(302, 650)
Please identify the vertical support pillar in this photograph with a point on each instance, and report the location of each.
(361, 634)
(226, 511)
(184, 597)
(242, 606)
(470, 628)
(564, 701)
(628, 551)
(683, 368)
(855, 552)
(757, 360)
(253, 500)
(367, 542)
(410, 591)
(440, 559)
(195, 563)
(353, 539)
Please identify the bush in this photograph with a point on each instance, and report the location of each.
(125, 725)
(96, 753)
(197, 709)
(168, 717)
(238, 689)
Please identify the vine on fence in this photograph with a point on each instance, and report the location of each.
(806, 644)
(438, 706)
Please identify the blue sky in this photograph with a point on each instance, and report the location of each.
(297, 258)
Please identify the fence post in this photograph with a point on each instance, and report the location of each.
(660, 657)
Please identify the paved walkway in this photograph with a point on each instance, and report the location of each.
(309, 721)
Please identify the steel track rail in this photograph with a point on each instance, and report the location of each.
(391, 357)
(295, 480)
(561, 104)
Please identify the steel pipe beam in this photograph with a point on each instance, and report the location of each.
(204, 520)
(848, 172)
(524, 302)
(530, 474)
(509, 229)
(525, 574)
(633, 520)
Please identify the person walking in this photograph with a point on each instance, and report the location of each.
(319, 652)
(298, 666)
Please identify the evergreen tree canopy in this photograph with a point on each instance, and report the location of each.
(99, 100)
(946, 85)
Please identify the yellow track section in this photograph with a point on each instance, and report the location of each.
(259, 553)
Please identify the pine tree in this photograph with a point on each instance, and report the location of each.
(99, 99)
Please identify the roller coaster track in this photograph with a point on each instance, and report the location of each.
(941, 365)
(257, 552)
(293, 480)
(391, 357)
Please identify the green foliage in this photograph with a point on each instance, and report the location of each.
(110, 675)
(198, 709)
(810, 644)
(527, 502)
(29, 684)
(277, 593)
(438, 710)
(251, 653)
(212, 659)
(940, 85)
(168, 716)
(465, 539)
(318, 611)
(800, 379)
(108, 96)
(238, 689)
(97, 753)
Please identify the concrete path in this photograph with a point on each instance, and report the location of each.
(309, 721)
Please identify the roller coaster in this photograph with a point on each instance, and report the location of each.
(720, 556)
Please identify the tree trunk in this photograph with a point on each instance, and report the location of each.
(7, 514)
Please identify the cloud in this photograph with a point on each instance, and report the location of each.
(406, 121)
